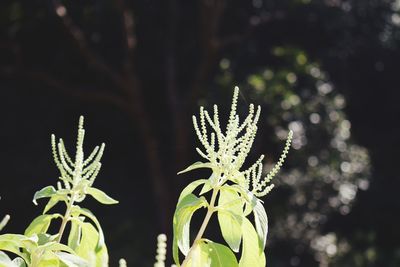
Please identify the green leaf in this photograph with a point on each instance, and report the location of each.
(5, 261)
(74, 234)
(175, 249)
(183, 214)
(71, 260)
(40, 224)
(261, 221)
(190, 188)
(252, 253)
(185, 192)
(199, 257)
(88, 234)
(16, 238)
(87, 213)
(209, 254)
(47, 259)
(12, 243)
(19, 262)
(47, 191)
(100, 196)
(238, 178)
(55, 246)
(54, 199)
(87, 248)
(197, 165)
(206, 187)
(248, 196)
(218, 255)
(230, 214)
(43, 239)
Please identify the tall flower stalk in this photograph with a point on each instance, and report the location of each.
(236, 192)
(84, 244)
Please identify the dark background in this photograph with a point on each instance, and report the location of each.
(138, 70)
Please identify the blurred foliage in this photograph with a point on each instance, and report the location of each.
(327, 168)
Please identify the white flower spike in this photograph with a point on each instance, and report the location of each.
(226, 151)
(80, 170)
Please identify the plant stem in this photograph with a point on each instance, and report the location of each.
(210, 211)
(65, 218)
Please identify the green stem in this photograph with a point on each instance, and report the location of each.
(210, 211)
(65, 218)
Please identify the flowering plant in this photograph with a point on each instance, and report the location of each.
(234, 194)
(85, 245)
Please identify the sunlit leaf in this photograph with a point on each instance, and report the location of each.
(87, 248)
(87, 213)
(74, 234)
(13, 243)
(252, 253)
(54, 199)
(47, 259)
(40, 224)
(18, 262)
(247, 196)
(190, 188)
(199, 258)
(183, 214)
(206, 187)
(5, 261)
(175, 249)
(261, 221)
(55, 246)
(101, 196)
(71, 260)
(47, 191)
(218, 255)
(196, 165)
(230, 214)
(43, 239)
(238, 178)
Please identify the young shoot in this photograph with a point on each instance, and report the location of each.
(235, 193)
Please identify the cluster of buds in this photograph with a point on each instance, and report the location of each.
(81, 173)
(226, 151)
(161, 250)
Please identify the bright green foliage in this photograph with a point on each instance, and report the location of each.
(208, 253)
(253, 252)
(85, 240)
(39, 250)
(235, 194)
(184, 211)
(230, 216)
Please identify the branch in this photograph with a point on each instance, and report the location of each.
(211, 15)
(128, 27)
(92, 96)
(133, 100)
(132, 88)
(79, 38)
